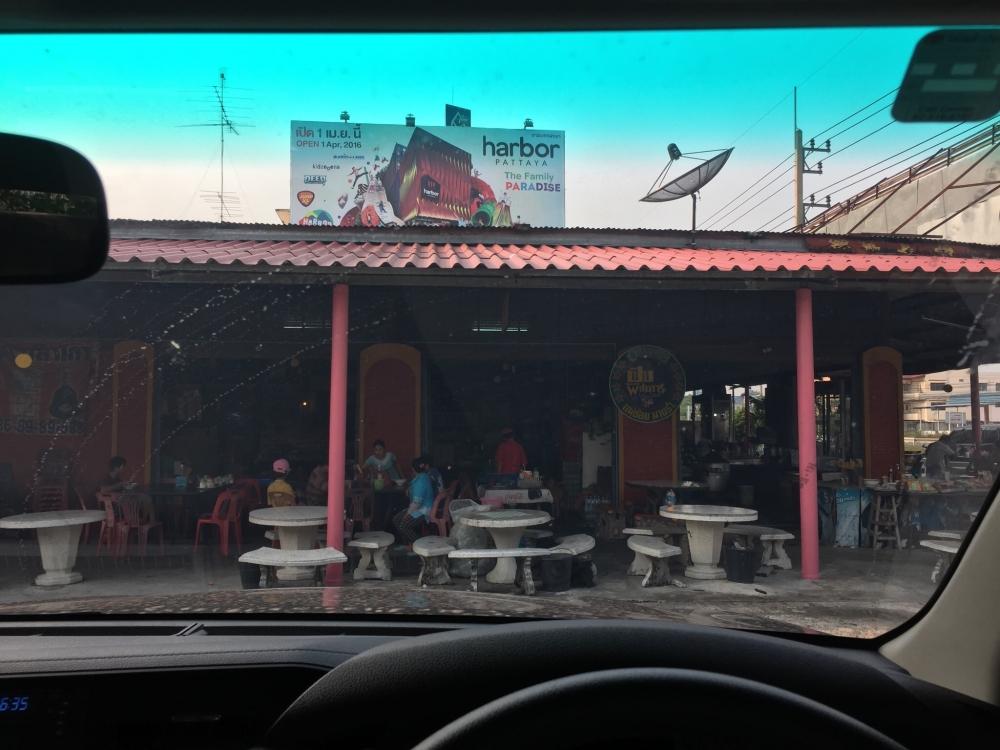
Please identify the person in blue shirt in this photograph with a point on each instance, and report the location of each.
(408, 522)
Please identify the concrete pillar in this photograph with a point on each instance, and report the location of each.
(806, 412)
(337, 446)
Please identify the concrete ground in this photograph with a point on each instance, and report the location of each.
(858, 594)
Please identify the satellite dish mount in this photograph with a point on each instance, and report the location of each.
(690, 182)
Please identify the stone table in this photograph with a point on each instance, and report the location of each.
(705, 524)
(506, 527)
(296, 526)
(58, 539)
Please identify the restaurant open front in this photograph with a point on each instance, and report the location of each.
(634, 368)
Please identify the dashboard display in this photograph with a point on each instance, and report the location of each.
(14, 703)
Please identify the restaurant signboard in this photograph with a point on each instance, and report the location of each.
(359, 174)
(647, 383)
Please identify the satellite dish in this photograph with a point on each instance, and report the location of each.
(691, 181)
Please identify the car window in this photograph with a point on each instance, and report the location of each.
(678, 325)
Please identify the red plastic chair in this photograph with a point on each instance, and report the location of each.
(439, 519)
(132, 515)
(85, 537)
(225, 515)
(359, 498)
(114, 530)
(249, 489)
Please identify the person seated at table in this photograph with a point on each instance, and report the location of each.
(437, 481)
(510, 457)
(408, 521)
(316, 489)
(279, 492)
(381, 464)
(114, 482)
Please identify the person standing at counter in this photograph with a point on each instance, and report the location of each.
(937, 454)
(510, 456)
(381, 464)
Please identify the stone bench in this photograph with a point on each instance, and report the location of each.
(574, 544)
(270, 558)
(772, 540)
(946, 549)
(526, 554)
(433, 552)
(374, 548)
(653, 555)
(955, 536)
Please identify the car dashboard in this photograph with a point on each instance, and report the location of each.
(243, 684)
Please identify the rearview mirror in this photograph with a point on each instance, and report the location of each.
(53, 217)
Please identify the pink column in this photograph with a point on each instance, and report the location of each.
(337, 456)
(806, 409)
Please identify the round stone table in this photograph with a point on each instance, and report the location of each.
(506, 527)
(58, 540)
(704, 527)
(296, 526)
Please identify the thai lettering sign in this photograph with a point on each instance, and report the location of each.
(647, 383)
(347, 174)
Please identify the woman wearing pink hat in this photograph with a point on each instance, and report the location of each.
(279, 492)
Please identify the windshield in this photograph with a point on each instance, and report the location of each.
(677, 325)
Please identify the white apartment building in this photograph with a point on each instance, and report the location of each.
(939, 403)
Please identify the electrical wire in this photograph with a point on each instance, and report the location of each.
(939, 145)
(783, 212)
(856, 112)
(760, 179)
(715, 217)
(761, 203)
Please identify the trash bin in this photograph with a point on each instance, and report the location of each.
(557, 572)
(741, 564)
(250, 575)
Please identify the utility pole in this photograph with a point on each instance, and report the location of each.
(801, 168)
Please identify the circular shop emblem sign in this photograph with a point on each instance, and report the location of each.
(647, 383)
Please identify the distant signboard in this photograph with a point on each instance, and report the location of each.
(647, 383)
(347, 174)
(457, 117)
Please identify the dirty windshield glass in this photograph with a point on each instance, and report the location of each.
(674, 325)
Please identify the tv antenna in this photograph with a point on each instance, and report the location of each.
(227, 203)
(690, 182)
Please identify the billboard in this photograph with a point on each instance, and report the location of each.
(457, 117)
(358, 174)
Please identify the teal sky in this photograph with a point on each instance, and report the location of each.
(620, 97)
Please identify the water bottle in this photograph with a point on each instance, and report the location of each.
(670, 500)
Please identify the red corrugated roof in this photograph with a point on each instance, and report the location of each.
(591, 258)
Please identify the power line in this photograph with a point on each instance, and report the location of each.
(753, 195)
(802, 83)
(758, 205)
(750, 187)
(863, 119)
(856, 112)
(710, 220)
(783, 212)
(893, 156)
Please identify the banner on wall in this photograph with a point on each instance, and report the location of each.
(359, 174)
(647, 383)
(43, 387)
